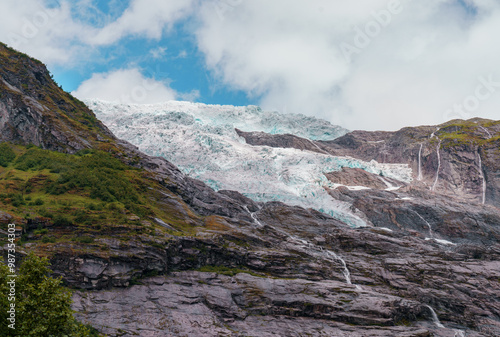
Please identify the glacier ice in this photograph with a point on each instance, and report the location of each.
(201, 140)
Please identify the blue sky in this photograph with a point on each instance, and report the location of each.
(365, 64)
(174, 56)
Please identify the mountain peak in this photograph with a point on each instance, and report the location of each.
(35, 110)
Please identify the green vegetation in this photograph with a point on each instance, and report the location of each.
(42, 305)
(96, 172)
(83, 197)
(6, 155)
(228, 271)
(469, 132)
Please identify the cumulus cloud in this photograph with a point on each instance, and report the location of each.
(46, 32)
(125, 86)
(63, 33)
(407, 62)
(365, 64)
(147, 18)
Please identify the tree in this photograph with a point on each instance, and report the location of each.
(43, 306)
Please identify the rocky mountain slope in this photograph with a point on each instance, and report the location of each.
(459, 158)
(184, 260)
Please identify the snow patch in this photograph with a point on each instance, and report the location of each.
(352, 188)
(441, 241)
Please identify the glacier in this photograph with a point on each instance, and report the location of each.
(202, 142)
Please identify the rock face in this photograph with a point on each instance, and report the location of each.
(304, 265)
(459, 158)
(284, 141)
(228, 266)
(208, 304)
(34, 110)
(359, 177)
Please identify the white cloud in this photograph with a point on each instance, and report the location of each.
(145, 18)
(47, 33)
(65, 33)
(125, 86)
(158, 53)
(427, 58)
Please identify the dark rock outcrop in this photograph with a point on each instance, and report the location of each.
(283, 141)
(250, 305)
(34, 110)
(454, 158)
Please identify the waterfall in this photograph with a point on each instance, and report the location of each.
(252, 214)
(256, 220)
(420, 163)
(439, 166)
(324, 253)
(428, 225)
(311, 248)
(347, 274)
(481, 173)
(435, 318)
(434, 133)
(459, 333)
(486, 130)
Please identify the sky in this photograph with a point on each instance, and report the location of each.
(364, 64)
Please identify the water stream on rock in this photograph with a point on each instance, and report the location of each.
(420, 163)
(310, 248)
(346, 272)
(486, 130)
(439, 166)
(481, 173)
(435, 318)
(328, 254)
(431, 234)
(434, 133)
(252, 214)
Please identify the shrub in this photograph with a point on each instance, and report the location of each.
(62, 220)
(98, 172)
(6, 155)
(85, 239)
(41, 231)
(48, 239)
(17, 200)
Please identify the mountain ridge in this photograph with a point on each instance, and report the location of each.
(186, 260)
